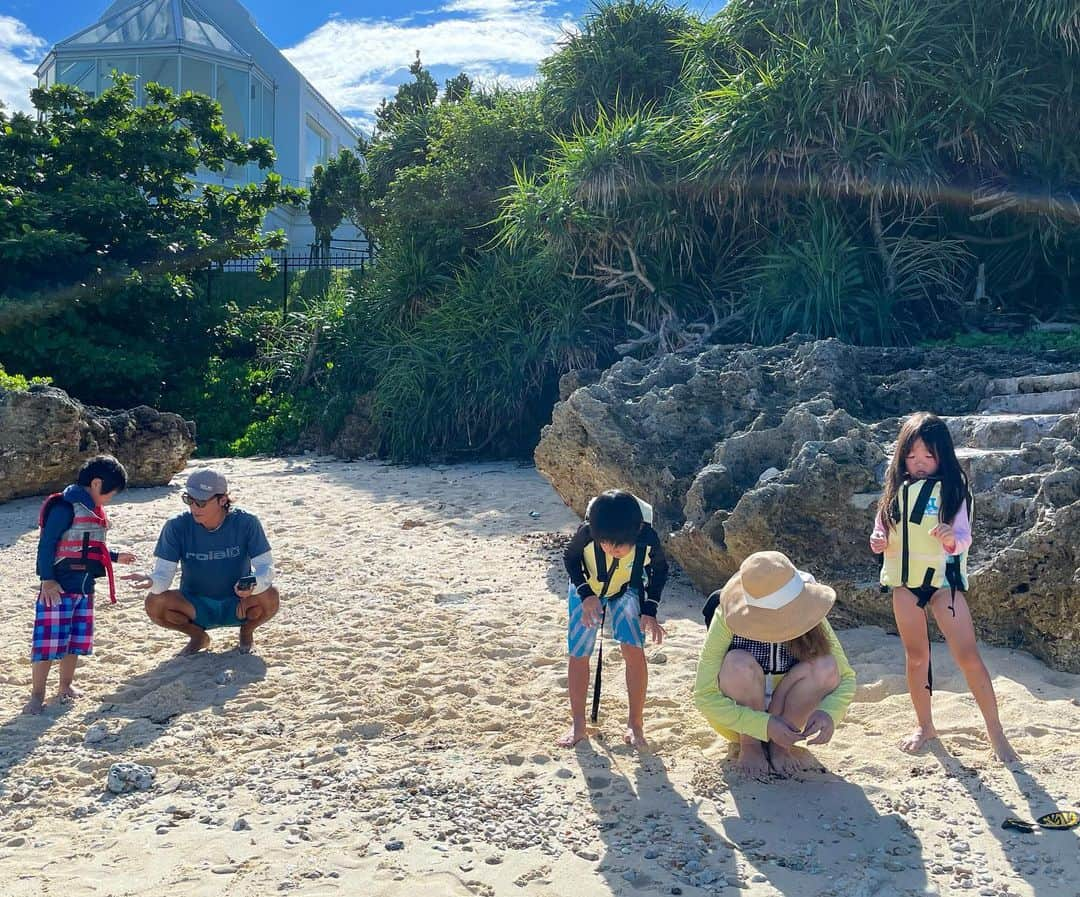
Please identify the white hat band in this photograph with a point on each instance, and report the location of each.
(784, 595)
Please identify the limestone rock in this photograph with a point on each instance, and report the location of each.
(45, 436)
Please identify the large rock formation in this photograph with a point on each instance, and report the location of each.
(45, 436)
(743, 448)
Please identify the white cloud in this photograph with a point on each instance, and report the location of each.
(357, 62)
(20, 52)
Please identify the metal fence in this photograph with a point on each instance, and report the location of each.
(350, 255)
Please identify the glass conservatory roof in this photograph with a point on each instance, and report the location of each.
(154, 21)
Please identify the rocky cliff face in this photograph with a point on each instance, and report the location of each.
(45, 436)
(745, 448)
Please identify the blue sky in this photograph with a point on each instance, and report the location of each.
(355, 53)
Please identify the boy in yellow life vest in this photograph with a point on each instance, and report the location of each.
(617, 569)
(923, 528)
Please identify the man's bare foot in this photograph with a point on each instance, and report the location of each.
(1003, 750)
(68, 693)
(573, 735)
(635, 737)
(34, 706)
(753, 760)
(198, 643)
(917, 739)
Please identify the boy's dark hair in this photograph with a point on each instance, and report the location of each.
(106, 468)
(615, 516)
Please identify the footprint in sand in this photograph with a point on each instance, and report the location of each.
(439, 884)
(876, 692)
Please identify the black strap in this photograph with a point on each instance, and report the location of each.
(918, 510)
(637, 570)
(85, 545)
(955, 580)
(602, 572)
(904, 552)
(599, 678)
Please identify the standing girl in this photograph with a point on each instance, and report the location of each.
(924, 528)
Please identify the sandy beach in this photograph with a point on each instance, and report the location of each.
(394, 732)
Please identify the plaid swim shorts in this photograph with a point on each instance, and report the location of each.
(65, 628)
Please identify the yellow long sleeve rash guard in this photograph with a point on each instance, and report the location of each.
(732, 720)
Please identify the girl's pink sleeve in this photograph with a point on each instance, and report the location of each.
(880, 530)
(962, 529)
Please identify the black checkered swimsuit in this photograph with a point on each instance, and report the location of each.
(773, 656)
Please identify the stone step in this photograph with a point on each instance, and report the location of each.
(985, 467)
(1011, 386)
(1060, 401)
(999, 430)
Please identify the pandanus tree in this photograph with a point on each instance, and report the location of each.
(876, 170)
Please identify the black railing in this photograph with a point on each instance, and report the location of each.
(350, 255)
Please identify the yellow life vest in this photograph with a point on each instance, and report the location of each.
(611, 581)
(913, 557)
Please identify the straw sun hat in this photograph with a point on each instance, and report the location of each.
(768, 600)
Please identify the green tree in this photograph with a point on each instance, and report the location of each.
(337, 193)
(99, 190)
(101, 225)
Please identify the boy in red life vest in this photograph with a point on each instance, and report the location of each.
(71, 554)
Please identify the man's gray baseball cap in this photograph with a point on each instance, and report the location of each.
(204, 484)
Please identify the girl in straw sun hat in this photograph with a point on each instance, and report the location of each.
(772, 672)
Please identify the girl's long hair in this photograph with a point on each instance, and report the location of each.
(932, 431)
(809, 645)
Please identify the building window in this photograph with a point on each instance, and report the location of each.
(316, 147)
(159, 69)
(81, 73)
(232, 94)
(196, 76)
(127, 64)
(262, 110)
(262, 120)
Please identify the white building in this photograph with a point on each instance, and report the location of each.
(214, 47)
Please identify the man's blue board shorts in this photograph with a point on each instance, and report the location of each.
(213, 613)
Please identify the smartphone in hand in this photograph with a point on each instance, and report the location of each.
(245, 583)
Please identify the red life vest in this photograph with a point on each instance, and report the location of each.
(82, 547)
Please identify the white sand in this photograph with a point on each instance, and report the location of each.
(411, 690)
